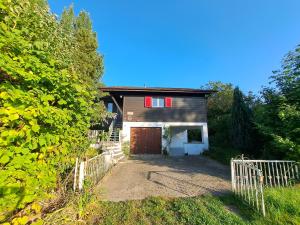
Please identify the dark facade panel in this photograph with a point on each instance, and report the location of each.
(184, 109)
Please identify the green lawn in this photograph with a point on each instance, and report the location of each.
(283, 207)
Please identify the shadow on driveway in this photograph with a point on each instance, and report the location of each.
(155, 175)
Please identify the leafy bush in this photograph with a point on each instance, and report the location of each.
(222, 154)
(45, 104)
(126, 148)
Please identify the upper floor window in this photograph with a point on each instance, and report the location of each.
(158, 102)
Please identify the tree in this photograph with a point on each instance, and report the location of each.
(86, 61)
(241, 123)
(46, 98)
(219, 113)
(278, 116)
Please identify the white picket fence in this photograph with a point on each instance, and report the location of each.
(94, 169)
(250, 177)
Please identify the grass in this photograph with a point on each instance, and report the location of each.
(282, 205)
(197, 210)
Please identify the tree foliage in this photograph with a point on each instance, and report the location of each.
(278, 114)
(265, 126)
(219, 113)
(49, 73)
(241, 123)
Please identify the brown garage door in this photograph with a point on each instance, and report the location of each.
(145, 140)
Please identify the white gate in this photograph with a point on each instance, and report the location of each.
(249, 177)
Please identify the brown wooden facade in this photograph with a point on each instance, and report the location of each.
(184, 109)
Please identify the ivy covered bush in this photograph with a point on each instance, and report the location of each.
(49, 74)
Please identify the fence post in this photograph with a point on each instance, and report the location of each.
(262, 194)
(75, 175)
(81, 175)
(232, 175)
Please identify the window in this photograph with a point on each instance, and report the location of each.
(158, 102)
(194, 135)
(110, 107)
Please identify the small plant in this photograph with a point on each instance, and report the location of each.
(126, 148)
(103, 136)
(165, 152)
(91, 152)
(84, 197)
(167, 136)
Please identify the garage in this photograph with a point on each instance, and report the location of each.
(145, 140)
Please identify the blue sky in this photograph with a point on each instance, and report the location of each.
(186, 43)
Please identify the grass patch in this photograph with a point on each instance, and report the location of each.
(196, 210)
(282, 205)
(222, 154)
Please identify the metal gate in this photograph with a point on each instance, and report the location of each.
(250, 177)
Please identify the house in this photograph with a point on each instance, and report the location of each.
(154, 120)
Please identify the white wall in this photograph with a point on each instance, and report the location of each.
(180, 140)
(179, 137)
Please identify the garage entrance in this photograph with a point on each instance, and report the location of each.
(145, 140)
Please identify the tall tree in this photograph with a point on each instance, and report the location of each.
(241, 122)
(219, 113)
(46, 98)
(278, 116)
(88, 62)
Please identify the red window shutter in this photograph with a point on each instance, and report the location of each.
(168, 102)
(148, 101)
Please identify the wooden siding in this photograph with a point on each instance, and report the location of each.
(184, 109)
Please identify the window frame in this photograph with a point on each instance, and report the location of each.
(157, 101)
(195, 141)
(108, 107)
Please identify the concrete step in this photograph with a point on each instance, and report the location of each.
(111, 144)
(116, 145)
(117, 159)
(118, 154)
(112, 148)
(121, 158)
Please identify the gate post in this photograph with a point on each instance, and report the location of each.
(232, 175)
(81, 175)
(262, 194)
(75, 175)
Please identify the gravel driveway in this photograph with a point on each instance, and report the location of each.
(144, 176)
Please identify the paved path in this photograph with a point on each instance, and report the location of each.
(145, 176)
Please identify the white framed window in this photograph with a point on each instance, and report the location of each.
(194, 135)
(110, 106)
(158, 102)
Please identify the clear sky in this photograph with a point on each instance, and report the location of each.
(186, 43)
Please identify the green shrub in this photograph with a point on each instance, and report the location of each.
(222, 154)
(126, 148)
(91, 152)
(45, 105)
